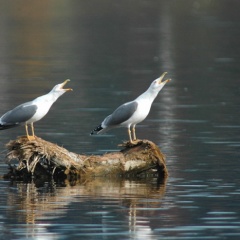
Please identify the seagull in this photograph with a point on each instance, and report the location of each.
(131, 113)
(33, 111)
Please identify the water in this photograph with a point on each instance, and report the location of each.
(112, 51)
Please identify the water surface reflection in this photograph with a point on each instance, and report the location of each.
(121, 208)
(112, 50)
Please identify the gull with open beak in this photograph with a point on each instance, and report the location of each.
(33, 111)
(131, 113)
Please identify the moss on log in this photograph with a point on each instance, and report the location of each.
(43, 159)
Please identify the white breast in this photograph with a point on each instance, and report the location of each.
(140, 114)
(42, 109)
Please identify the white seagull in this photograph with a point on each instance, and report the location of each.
(131, 113)
(33, 111)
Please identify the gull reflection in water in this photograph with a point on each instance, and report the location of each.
(95, 202)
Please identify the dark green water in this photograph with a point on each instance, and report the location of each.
(112, 51)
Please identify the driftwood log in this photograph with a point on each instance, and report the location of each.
(40, 159)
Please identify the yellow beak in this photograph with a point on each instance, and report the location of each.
(161, 78)
(64, 83)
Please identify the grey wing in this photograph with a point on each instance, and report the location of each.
(121, 114)
(19, 114)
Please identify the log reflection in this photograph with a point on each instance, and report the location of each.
(137, 199)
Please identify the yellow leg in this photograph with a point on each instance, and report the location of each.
(129, 134)
(134, 133)
(33, 134)
(30, 138)
(26, 128)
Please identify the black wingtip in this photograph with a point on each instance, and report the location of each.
(96, 130)
(3, 127)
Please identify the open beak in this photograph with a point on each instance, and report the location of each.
(64, 83)
(161, 78)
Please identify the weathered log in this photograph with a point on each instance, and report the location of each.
(42, 159)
